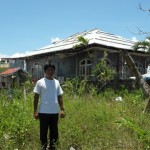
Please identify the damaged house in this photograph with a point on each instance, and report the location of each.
(71, 61)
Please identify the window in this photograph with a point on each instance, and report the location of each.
(108, 63)
(140, 67)
(126, 72)
(37, 72)
(85, 67)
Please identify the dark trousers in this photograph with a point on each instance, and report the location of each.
(48, 121)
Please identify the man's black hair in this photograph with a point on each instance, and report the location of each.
(49, 66)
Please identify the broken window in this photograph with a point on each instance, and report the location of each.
(85, 67)
(126, 71)
(37, 72)
(140, 67)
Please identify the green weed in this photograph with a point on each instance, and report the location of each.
(93, 121)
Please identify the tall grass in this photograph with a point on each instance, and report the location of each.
(93, 121)
(18, 130)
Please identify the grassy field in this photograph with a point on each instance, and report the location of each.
(92, 122)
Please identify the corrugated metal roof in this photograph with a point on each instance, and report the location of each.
(94, 36)
(9, 71)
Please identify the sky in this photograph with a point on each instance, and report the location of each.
(27, 25)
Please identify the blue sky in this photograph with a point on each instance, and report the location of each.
(27, 25)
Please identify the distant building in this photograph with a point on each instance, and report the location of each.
(12, 77)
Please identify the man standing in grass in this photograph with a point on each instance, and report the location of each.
(49, 91)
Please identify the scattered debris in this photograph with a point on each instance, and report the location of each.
(119, 98)
(71, 148)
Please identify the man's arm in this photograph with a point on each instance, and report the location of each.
(60, 101)
(61, 105)
(36, 100)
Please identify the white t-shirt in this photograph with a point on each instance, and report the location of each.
(49, 90)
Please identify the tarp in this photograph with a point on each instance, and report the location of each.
(145, 76)
(10, 71)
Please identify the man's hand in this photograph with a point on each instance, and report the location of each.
(36, 115)
(62, 114)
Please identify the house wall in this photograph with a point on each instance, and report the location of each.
(65, 67)
(68, 65)
(30, 63)
(142, 61)
(11, 80)
(112, 58)
(16, 63)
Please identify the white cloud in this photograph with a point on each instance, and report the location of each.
(3, 56)
(20, 54)
(134, 39)
(56, 39)
(15, 55)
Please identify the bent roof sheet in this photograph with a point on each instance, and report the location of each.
(9, 71)
(94, 36)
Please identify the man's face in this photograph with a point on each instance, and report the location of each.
(49, 72)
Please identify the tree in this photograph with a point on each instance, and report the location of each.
(103, 72)
(145, 46)
(82, 42)
(141, 32)
(142, 45)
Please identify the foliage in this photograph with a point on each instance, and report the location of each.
(82, 42)
(2, 69)
(78, 87)
(133, 127)
(17, 124)
(102, 71)
(93, 121)
(143, 45)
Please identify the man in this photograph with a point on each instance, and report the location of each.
(50, 93)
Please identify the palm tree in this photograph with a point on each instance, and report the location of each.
(143, 45)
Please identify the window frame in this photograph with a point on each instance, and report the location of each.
(37, 72)
(85, 67)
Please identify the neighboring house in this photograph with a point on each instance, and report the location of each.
(11, 77)
(71, 61)
(4, 63)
